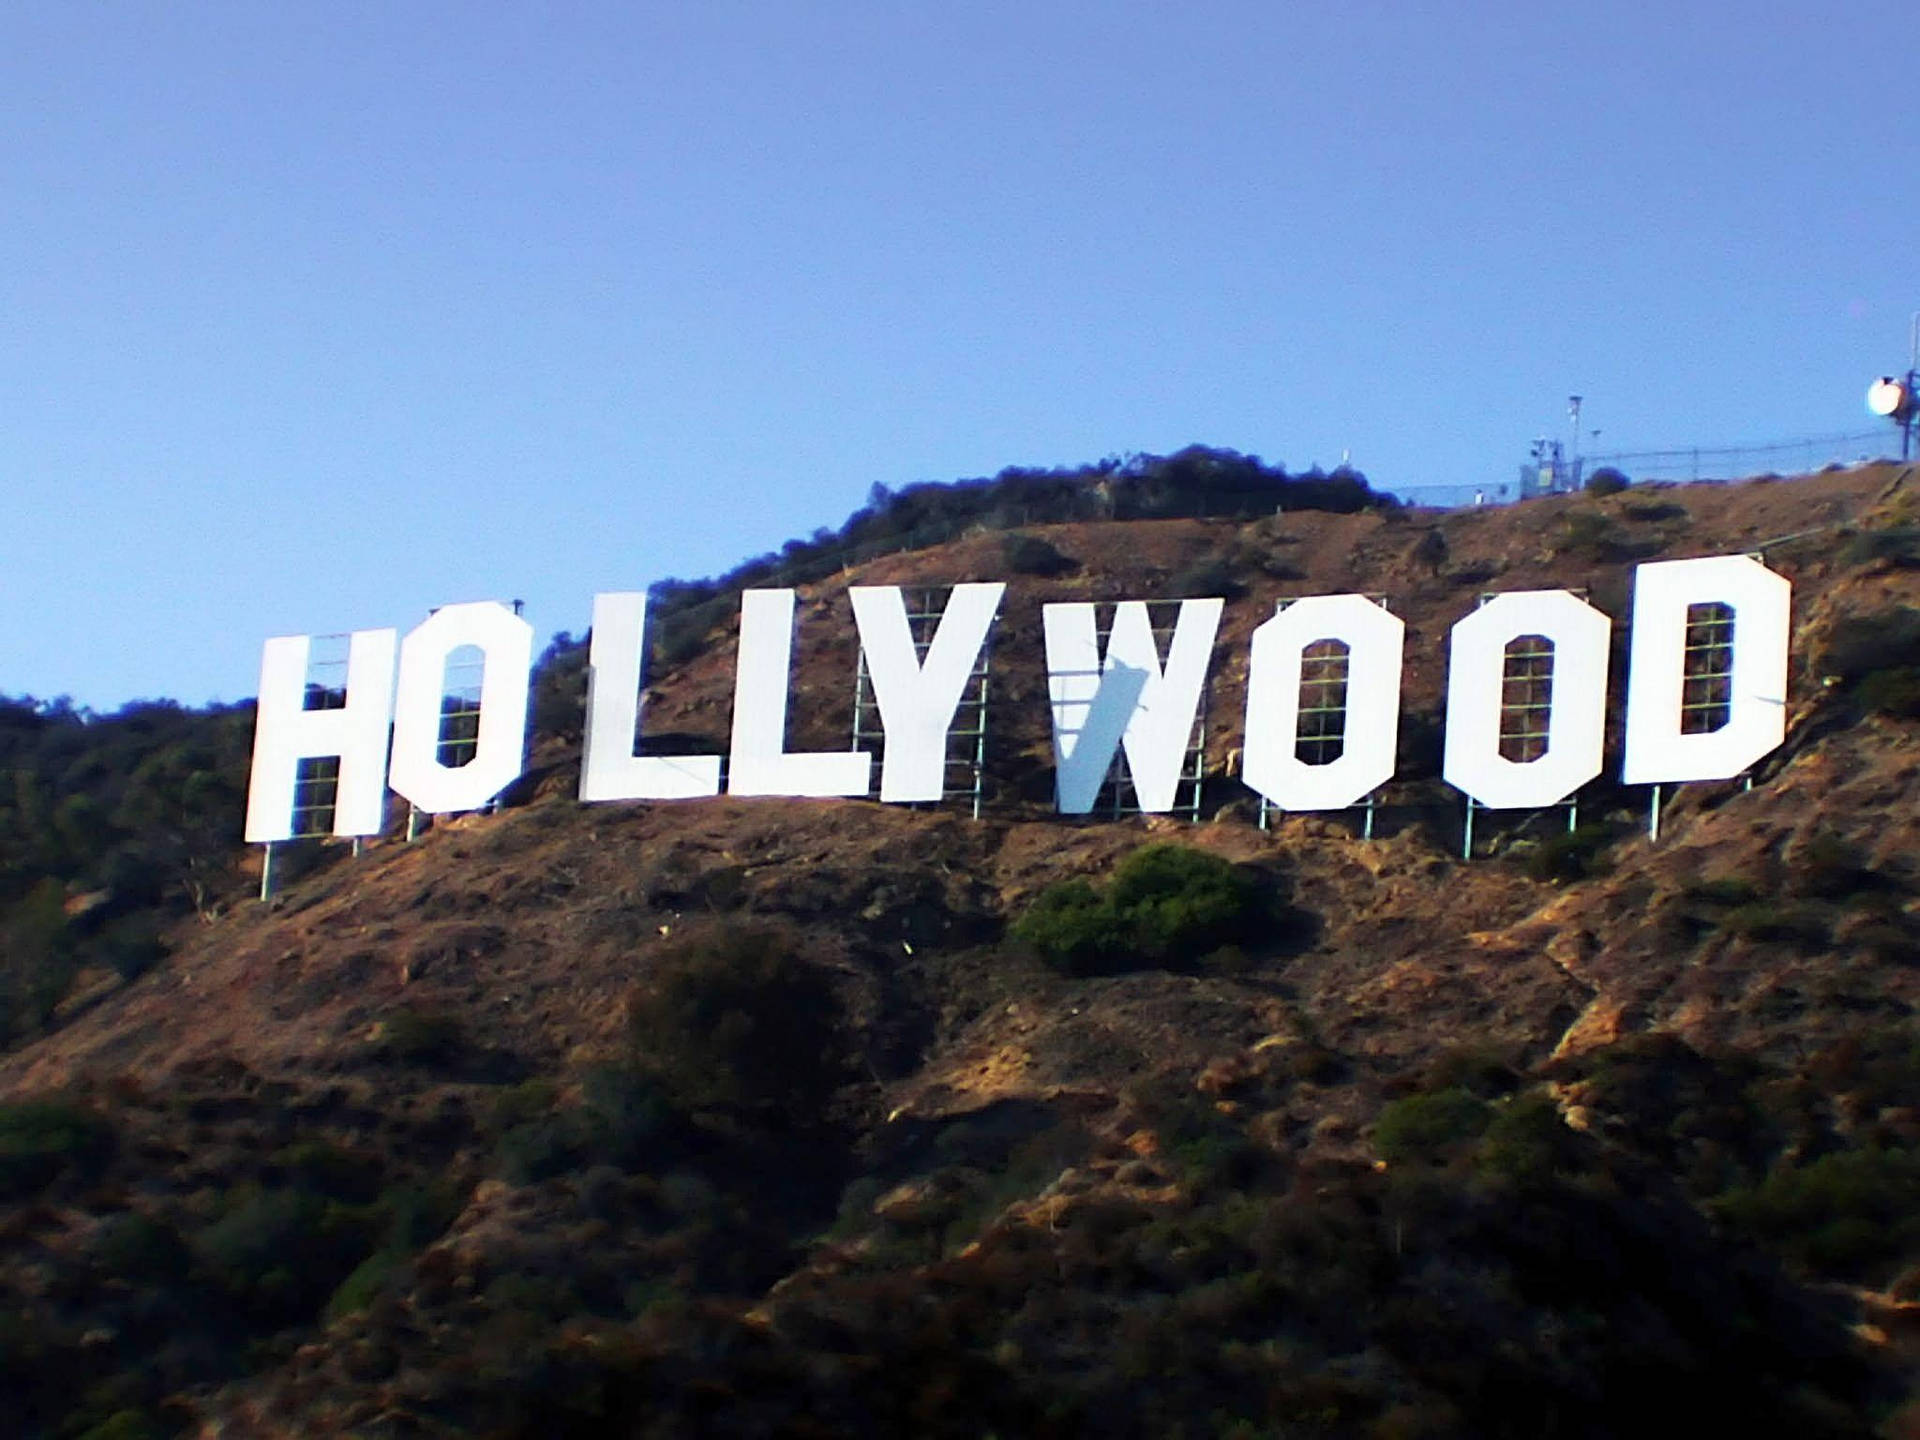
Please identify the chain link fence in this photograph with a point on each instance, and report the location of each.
(1697, 462)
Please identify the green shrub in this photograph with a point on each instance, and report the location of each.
(1072, 925)
(1166, 904)
(1528, 1141)
(1175, 899)
(1606, 481)
(280, 1253)
(366, 1282)
(41, 1139)
(1425, 1127)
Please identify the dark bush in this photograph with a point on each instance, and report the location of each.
(1166, 904)
(129, 944)
(134, 1246)
(1606, 481)
(624, 1119)
(1848, 1213)
(327, 1169)
(1826, 867)
(280, 1253)
(40, 1139)
(1858, 645)
(124, 1425)
(559, 700)
(627, 1111)
(1725, 890)
(1895, 692)
(1801, 925)
(421, 1037)
(1204, 579)
(1480, 1069)
(1649, 511)
(1589, 535)
(541, 1148)
(1572, 854)
(739, 1016)
(1899, 546)
(1025, 554)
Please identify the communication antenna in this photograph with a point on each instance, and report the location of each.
(1897, 398)
(1573, 460)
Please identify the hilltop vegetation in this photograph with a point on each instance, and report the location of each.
(839, 1119)
(111, 827)
(1195, 482)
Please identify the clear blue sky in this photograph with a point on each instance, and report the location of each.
(317, 316)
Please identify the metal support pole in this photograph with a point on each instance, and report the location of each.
(1466, 846)
(1912, 417)
(413, 823)
(1653, 816)
(266, 872)
(1366, 825)
(980, 752)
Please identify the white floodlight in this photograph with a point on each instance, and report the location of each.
(1889, 396)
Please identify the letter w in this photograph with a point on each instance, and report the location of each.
(1124, 699)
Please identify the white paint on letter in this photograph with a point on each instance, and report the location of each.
(1375, 639)
(917, 699)
(285, 732)
(1657, 753)
(761, 764)
(1124, 699)
(609, 770)
(1576, 726)
(506, 642)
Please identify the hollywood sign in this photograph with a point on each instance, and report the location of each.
(1124, 699)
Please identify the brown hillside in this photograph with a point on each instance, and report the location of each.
(394, 1007)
